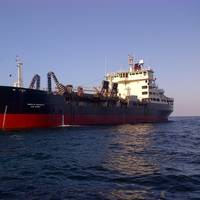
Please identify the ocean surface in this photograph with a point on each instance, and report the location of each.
(127, 162)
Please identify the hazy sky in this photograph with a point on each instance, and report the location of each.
(72, 38)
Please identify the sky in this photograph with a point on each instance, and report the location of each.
(73, 38)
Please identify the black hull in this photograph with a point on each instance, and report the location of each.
(28, 108)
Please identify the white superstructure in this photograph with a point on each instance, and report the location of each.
(138, 84)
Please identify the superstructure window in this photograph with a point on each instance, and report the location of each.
(144, 87)
(144, 93)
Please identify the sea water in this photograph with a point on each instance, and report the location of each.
(126, 162)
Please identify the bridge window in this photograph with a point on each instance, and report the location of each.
(144, 93)
(144, 87)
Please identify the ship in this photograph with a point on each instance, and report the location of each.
(125, 97)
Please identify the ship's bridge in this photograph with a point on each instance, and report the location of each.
(138, 83)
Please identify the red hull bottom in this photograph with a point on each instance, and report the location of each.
(26, 121)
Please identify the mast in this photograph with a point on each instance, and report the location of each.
(19, 82)
(130, 62)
